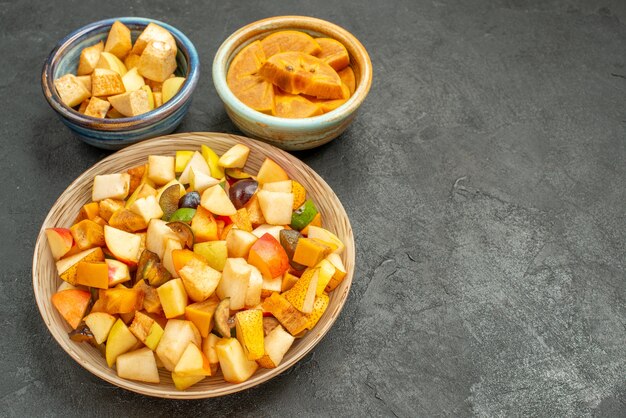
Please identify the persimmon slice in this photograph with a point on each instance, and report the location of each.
(254, 91)
(332, 104)
(248, 61)
(295, 73)
(347, 78)
(294, 105)
(289, 40)
(333, 53)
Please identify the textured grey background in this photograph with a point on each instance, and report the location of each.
(485, 182)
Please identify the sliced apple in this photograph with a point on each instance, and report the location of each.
(60, 241)
(110, 62)
(273, 230)
(215, 200)
(199, 279)
(131, 103)
(168, 262)
(171, 86)
(255, 287)
(239, 242)
(193, 362)
(161, 169)
(100, 324)
(138, 365)
(208, 348)
(114, 186)
(119, 341)
(233, 362)
(214, 252)
(72, 305)
(157, 236)
(277, 343)
(123, 245)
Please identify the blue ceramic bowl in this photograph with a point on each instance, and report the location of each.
(292, 134)
(113, 134)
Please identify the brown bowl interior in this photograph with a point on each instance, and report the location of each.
(63, 212)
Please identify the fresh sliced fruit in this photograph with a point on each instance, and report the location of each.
(249, 324)
(278, 186)
(241, 220)
(199, 279)
(289, 317)
(302, 294)
(72, 305)
(171, 86)
(161, 169)
(133, 81)
(151, 301)
(270, 172)
(269, 323)
(139, 365)
(173, 298)
(87, 234)
(118, 41)
(241, 191)
(201, 314)
(182, 159)
(60, 241)
(289, 240)
(71, 90)
(121, 300)
(235, 157)
(152, 32)
(326, 273)
(168, 201)
(184, 232)
(208, 348)
(97, 108)
(215, 200)
(168, 262)
(296, 73)
(255, 92)
(247, 62)
(309, 252)
(289, 280)
(114, 186)
(100, 324)
(199, 181)
(176, 337)
(303, 215)
(182, 382)
(233, 362)
(271, 285)
(123, 245)
(220, 318)
(148, 208)
(277, 343)
(319, 307)
(347, 77)
(131, 103)
(294, 106)
(317, 221)
(276, 206)
(119, 341)
(334, 53)
(158, 61)
(66, 267)
(89, 57)
(151, 270)
(107, 207)
(193, 362)
(269, 257)
(214, 252)
(234, 283)
(239, 242)
(273, 230)
(199, 165)
(131, 61)
(204, 226)
(327, 237)
(93, 274)
(340, 272)
(289, 40)
(212, 160)
(255, 287)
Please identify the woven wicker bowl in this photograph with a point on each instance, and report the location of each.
(63, 212)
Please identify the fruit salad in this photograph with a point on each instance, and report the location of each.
(194, 265)
(290, 74)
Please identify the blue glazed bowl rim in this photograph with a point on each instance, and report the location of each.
(223, 57)
(135, 122)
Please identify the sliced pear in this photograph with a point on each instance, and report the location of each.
(215, 200)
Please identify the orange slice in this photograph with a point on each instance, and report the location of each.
(289, 40)
(295, 73)
(347, 78)
(333, 53)
(294, 105)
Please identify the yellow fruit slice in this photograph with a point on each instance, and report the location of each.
(246, 62)
(256, 93)
(295, 73)
(289, 40)
(347, 77)
(333, 53)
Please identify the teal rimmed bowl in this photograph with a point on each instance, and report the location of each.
(292, 134)
(113, 134)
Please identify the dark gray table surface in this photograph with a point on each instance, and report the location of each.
(484, 178)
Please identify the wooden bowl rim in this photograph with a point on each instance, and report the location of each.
(338, 297)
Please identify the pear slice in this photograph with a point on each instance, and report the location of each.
(215, 200)
(132, 103)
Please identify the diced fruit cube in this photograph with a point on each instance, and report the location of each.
(201, 314)
(215, 200)
(182, 159)
(60, 241)
(106, 82)
(271, 172)
(87, 234)
(89, 57)
(171, 86)
(123, 245)
(199, 181)
(292, 319)
(269, 257)
(198, 164)
(182, 382)
(255, 287)
(302, 294)
(214, 252)
(204, 226)
(241, 219)
(271, 285)
(100, 323)
(93, 274)
(66, 267)
(138, 365)
(147, 330)
(161, 169)
(303, 215)
(276, 206)
(327, 271)
(208, 348)
(234, 283)
(199, 279)
(71, 90)
(109, 61)
(119, 341)
(97, 108)
(158, 61)
(239, 242)
(152, 32)
(176, 337)
(121, 300)
(72, 305)
(107, 207)
(249, 325)
(157, 235)
(131, 103)
(273, 230)
(117, 272)
(193, 362)
(173, 298)
(235, 157)
(118, 41)
(148, 208)
(127, 220)
(288, 281)
(233, 362)
(168, 260)
(114, 186)
(131, 61)
(277, 343)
